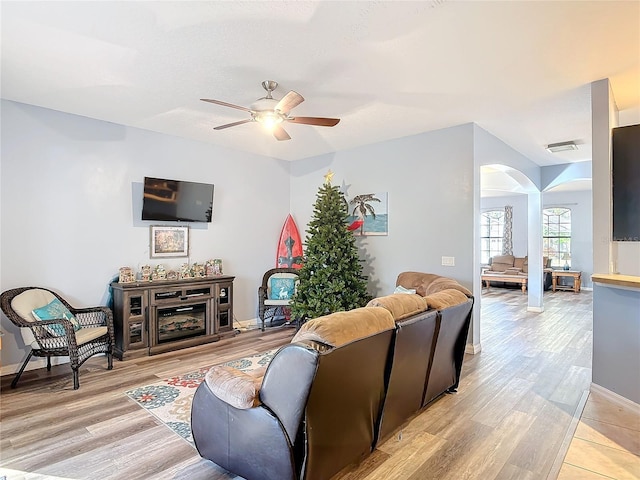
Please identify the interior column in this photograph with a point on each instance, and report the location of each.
(534, 251)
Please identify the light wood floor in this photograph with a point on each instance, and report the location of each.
(510, 419)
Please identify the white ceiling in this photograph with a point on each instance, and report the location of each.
(495, 182)
(520, 70)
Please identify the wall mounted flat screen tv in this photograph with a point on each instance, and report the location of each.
(166, 200)
(626, 183)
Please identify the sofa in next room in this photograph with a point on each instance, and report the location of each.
(509, 270)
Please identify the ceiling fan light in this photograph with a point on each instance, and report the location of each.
(268, 119)
(561, 147)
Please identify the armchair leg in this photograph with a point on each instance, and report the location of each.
(17, 377)
(109, 361)
(48, 363)
(76, 380)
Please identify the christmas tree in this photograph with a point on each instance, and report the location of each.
(331, 275)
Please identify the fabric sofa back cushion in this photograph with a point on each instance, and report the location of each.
(500, 263)
(546, 262)
(401, 305)
(428, 283)
(445, 298)
(340, 328)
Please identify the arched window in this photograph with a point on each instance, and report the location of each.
(491, 234)
(556, 236)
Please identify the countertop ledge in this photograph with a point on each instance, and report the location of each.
(616, 279)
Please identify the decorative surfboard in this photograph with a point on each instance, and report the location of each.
(289, 254)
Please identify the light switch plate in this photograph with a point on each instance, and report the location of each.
(449, 261)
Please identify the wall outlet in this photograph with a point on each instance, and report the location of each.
(449, 261)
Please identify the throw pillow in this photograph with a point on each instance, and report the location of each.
(401, 289)
(282, 288)
(53, 311)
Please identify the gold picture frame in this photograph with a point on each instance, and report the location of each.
(169, 242)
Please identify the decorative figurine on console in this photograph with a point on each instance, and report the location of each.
(126, 275)
(213, 267)
(172, 275)
(197, 270)
(159, 273)
(145, 274)
(185, 271)
(208, 268)
(217, 266)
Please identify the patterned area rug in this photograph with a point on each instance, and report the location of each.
(170, 400)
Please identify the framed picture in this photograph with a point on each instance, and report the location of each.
(369, 214)
(169, 242)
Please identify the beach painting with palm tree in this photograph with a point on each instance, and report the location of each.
(368, 214)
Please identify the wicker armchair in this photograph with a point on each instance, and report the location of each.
(272, 305)
(93, 332)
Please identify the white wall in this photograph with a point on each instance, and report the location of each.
(70, 207)
(429, 178)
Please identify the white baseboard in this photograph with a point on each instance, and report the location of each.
(473, 348)
(34, 364)
(243, 325)
(619, 400)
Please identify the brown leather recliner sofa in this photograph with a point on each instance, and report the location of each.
(345, 382)
(429, 346)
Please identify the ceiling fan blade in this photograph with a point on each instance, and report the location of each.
(319, 121)
(280, 133)
(225, 104)
(289, 101)
(221, 127)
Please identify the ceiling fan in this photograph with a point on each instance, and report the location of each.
(271, 112)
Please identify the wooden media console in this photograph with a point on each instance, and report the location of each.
(163, 315)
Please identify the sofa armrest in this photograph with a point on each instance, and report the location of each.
(234, 387)
(286, 385)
